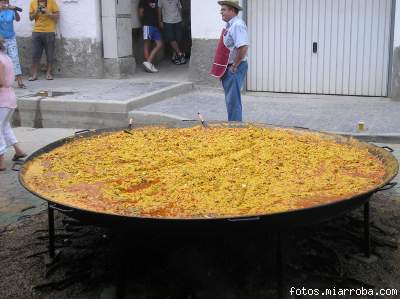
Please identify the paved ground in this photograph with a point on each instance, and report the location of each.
(327, 113)
(108, 89)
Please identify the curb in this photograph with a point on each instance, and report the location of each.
(160, 95)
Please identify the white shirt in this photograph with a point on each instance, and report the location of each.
(235, 37)
(171, 11)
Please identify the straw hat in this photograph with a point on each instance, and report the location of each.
(233, 3)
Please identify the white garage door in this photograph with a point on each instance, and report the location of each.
(319, 46)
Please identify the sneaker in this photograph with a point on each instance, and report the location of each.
(154, 69)
(180, 59)
(148, 66)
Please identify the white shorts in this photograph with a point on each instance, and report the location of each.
(7, 137)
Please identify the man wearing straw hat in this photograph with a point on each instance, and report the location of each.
(230, 62)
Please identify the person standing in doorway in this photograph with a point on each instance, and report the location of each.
(230, 62)
(148, 12)
(171, 23)
(8, 102)
(9, 14)
(45, 13)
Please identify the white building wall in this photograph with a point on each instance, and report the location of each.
(78, 19)
(206, 19)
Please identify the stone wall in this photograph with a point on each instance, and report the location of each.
(203, 51)
(395, 88)
(74, 57)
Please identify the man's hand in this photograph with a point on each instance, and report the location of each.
(161, 25)
(233, 68)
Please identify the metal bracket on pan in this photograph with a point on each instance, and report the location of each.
(17, 165)
(127, 132)
(81, 132)
(302, 128)
(388, 186)
(244, 219)
(388, 148)
(54, 207)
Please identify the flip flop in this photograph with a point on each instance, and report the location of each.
(3, 169)
(22, 86)
(32, 79)
(18, 157)
(49, 78)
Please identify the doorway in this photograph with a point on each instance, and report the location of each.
(166, 53)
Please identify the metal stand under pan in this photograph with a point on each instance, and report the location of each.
(281, 248)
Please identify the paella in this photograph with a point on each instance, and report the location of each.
(203, 173)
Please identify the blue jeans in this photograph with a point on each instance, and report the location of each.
(232, 83)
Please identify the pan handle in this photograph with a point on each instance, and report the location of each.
(388, 148)
(54, 207)
(387, 186)
(81, 132)
(244, 219)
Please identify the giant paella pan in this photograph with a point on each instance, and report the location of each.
(194, 177)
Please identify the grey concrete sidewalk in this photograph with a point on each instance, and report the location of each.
(326, 113)
(96, 103)
(107, 89)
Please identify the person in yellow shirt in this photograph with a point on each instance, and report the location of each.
(45, 13)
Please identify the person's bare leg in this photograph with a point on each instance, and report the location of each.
(18, 78)
(176, 48)
(34, 71)
(2, 163)
(49, 73)
(146, 48)
(154, 52)
(18, 150)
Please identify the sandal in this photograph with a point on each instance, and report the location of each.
(22, 86)
(49, 77)
(32, 78)
(3, 169)
(18, 157)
